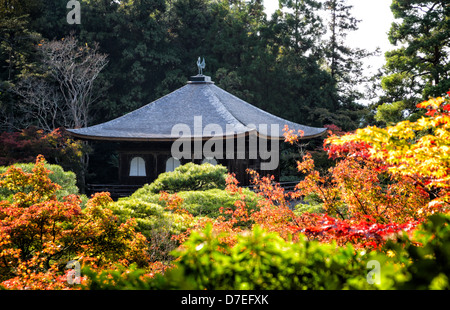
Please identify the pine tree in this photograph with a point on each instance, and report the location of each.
(18, 56)
(345, 63)
(420, 66)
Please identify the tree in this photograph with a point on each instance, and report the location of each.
(41, 102)
(414, 150)
(74, 68)
(40, 233)
(358, 187)
(57, 146)
(18, 57)
(345, 63)
(420, 66)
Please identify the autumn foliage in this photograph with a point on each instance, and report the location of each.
(40, 234)
(386, 179)
(23, 146)
(367, 198)
(414, 152)
(386, 183)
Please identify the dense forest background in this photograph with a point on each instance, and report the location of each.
(295, 64)
(291, 64)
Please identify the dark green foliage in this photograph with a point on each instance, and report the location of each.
(426, 256)
(420, 66)
(201, 187)
(275, 63)
(120, 279)
(262, 261)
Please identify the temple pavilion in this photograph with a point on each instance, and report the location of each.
(198, 123)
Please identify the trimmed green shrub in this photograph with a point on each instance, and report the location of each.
(155, 223)
(121, 278)
(259, 261)
(201, 203)
(208, 202)
(148, 215)
(188, 177)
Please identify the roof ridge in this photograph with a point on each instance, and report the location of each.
(222, 109)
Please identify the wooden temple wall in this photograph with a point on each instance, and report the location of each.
(156, 154)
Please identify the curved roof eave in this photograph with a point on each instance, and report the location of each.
(162, 139)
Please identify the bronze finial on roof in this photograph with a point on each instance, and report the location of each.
(201, 65)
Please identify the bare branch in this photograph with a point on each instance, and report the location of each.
(75, 69)
(41, 102)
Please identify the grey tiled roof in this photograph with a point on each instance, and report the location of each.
(194, 101)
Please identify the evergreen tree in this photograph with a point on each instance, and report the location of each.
(275, 63)
(134, 35)
(18, 56)
(189, 24)
(345, 63)
(298, 85)
(420, 66)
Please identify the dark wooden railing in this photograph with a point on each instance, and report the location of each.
(288, 186)
(116, 190)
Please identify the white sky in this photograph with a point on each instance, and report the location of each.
(376, 18)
